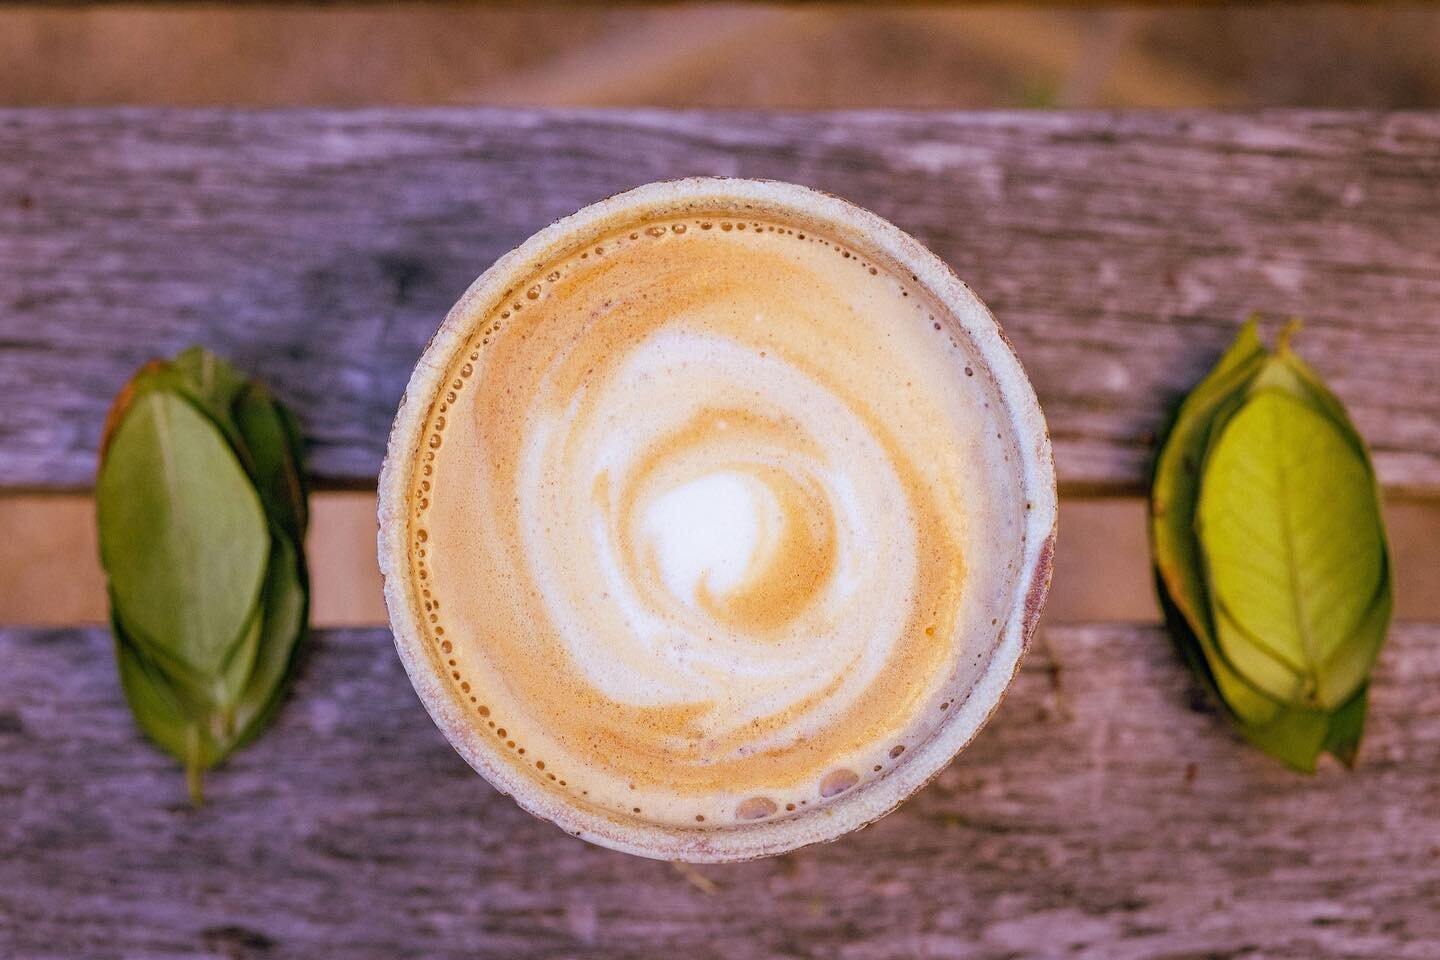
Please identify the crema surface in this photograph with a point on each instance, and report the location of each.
(712, 520)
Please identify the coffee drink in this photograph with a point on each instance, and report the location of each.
(715, 520)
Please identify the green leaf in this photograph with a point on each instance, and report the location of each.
(1176, 549)
(287, 605)
(270, 437)
(264, 434)
(229, 683)
(206, 693)
(1297, 737)
(183, 537)
(1242, 700)
(1262, 668)
(1293, 709)
(1294, 736)
(1347, 725)
(1289, 734)
(1177, 478)
(1295, 561)
(1349, 667)
(201, 378)
(1235, 695)
(202, 513)
(211, 384)
(162, 712)
(1287, 374)
(201, 732)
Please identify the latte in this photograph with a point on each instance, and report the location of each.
(715, 520)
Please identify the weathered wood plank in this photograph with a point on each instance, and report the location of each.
(321, 248)
(1107, 813)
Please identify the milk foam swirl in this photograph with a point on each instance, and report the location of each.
(712, 521)
(732, 542)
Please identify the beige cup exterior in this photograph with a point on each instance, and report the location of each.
(859, 229)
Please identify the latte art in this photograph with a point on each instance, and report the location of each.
(730, 549)
(713, 519)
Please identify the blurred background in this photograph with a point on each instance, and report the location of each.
(757, 55)
(753, 56)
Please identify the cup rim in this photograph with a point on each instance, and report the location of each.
(855, 226)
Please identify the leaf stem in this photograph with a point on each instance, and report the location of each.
(193, 770)
(1292, 326)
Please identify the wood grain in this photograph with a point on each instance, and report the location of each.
(321, 248)
(1106, 814)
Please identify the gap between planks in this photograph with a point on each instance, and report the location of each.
(50, 574)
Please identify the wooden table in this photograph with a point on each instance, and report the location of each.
(1108, 812)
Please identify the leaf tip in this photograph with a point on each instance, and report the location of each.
(1293, 325)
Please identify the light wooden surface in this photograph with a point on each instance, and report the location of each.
(1120, 251)
(50, 568)
(1106, 814)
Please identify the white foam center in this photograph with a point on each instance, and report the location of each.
(705, 531)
